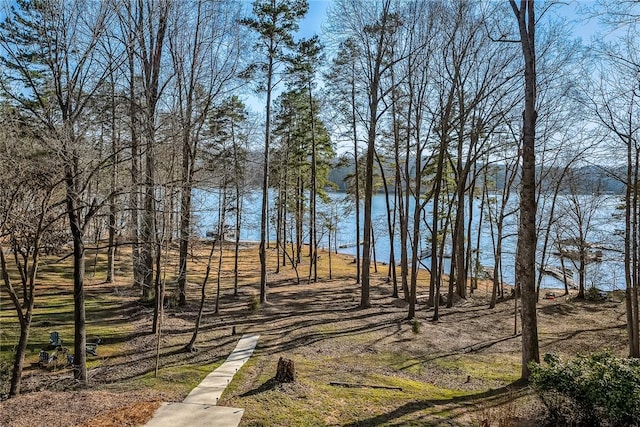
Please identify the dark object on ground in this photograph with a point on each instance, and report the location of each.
(286, 372)
(354, 385)
(52, 359)
(54, 340)
(92, 347)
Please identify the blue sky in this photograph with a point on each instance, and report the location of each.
(312, 23)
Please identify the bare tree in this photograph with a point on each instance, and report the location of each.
(371, 26)
(63, 39)
(205, 46)
(616, 105)
(526, 251)
(31, 185)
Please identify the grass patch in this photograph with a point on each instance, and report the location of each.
(176, 379)
(314, 401)
(485, 366)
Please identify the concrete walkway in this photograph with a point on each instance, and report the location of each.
(199, 407)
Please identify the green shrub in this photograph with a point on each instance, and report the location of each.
(415, 326)
(6, 369)
(598, 389)
(254, 303)
(594, 294)
(172, 299)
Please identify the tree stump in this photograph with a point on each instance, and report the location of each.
(286, 372)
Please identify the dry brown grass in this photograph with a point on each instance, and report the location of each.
(452, 371)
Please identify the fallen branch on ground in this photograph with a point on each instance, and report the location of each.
(354, 385)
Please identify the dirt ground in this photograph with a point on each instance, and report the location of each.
(303, 321)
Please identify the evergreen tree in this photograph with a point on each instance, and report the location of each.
(274, 21)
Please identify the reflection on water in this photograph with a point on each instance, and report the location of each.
(340, 212)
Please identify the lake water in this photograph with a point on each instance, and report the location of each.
(604, 229)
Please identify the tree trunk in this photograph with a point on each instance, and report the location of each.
(238, 209)
(365, 301)
(134, 196)
(631, 252)
(148, 235)
(415, 239)
(80, 339)
(356, 171)
(203, 296)
(221, 228)
(111, 251)
(526, 247)
(286, 371)
(436, 272)
(237, 242)
(264, 216)
(185, 223)
(113, 208)
(24, 316)
(313, 232)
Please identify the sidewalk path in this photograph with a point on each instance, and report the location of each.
(199, 407)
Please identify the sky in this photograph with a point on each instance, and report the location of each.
(316, 16)
(567, 11)
(312, 22)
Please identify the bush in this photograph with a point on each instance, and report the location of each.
(415, 326)
(6, 369)
(172, 300)
(595, 294)
(254, 303)
(597, 389)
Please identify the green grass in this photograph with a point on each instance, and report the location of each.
(54, 310)
(313, 401)
(485, 366)
(179, 379)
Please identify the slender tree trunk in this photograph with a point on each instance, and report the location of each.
(354, 129)
(113, 209)
(436, 272)
(237, 242)
(635, 265)
(148, 234)
(390, 228)
(279, 224)
(185, 218)
(190, 347)
(631, 252)
(238, 208)
(134, 197)
(221, 229)
(313, 233)
(403, 199)
(497, 267)
(24, 317)
(158, 284)
(80, 339)
(468, 254)
(299, 217)
(459, 229)
(264, 216)
(285, 206)
(415, 239)
(526, 248)
(365, 301)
